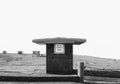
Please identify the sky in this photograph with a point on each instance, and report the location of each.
(98, 21)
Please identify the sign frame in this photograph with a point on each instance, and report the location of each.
(59, 49)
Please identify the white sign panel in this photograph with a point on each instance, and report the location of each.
(59, 49)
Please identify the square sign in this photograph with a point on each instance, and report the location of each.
(59, 49)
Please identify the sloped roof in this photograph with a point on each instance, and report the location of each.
(76, 41)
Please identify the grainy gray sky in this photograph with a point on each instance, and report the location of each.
(96, 20)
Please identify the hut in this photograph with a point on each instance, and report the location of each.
(59, 54)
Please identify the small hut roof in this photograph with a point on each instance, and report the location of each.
(76, 41)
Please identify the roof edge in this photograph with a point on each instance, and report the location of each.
(77, 41)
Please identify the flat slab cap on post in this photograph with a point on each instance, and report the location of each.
(76, 41)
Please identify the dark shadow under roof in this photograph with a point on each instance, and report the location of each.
(76, 41)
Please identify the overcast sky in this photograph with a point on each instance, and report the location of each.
(96, 20)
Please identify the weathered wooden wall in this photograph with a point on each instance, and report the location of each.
(59, 63)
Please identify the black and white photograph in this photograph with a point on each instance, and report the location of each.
(59, 41)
